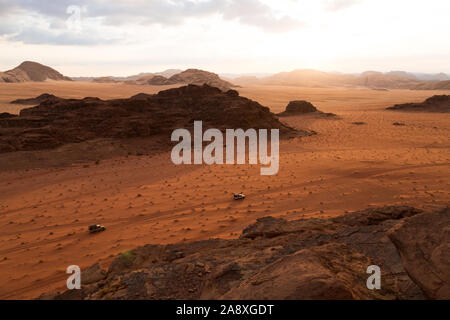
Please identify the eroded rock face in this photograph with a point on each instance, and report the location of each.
(439, 103)
(329, 272)
(56, 121)
(424, 246)
(301, 259)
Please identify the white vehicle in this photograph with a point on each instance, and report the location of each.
(239, 196)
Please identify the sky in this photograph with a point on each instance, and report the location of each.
(120, 38)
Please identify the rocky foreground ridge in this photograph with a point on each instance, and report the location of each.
(279, 259)
(56, 121)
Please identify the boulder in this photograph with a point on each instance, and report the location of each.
(423, 242)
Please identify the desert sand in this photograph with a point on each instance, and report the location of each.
(47, 204)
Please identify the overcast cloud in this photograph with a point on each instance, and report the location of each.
(43, 21)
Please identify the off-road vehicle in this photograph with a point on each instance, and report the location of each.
(239, 196)
(96, 228)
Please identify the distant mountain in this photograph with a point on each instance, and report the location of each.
(241, 75)
(140, 78)
(403, 80)
(302, 77)
(440, 85)
(247, 80)
(379, 80)
(105, 80)
(368, 79)
(421, 76)
(148, 75)
(402, 74)
(168, 77)
(83, 79)
(168, 73)
(32, 71)
(200, 77)
(432, 77)
(189, 76)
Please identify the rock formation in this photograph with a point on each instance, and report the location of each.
(301, 259)
(159, 81)
(31, 71)
(434, 104)
(190, 76)
(105, 80)
(37, 100)
(299, 107)
(424, 246)
(56, 121)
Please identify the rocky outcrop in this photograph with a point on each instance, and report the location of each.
(93, 274)
(191, 76)
(37, 100)
(32, 71)
(105, 80)
(332, 271)
(300, 107)
(56, 121)
(302, 259)
(439, 103)
(424, 246)
(159, 81)
(6, 115)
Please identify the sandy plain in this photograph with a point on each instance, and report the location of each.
(46, 204)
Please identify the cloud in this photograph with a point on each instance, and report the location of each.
(258, 14)
(120, 14)
(175, 12)
(44, 36)
(337, 5)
